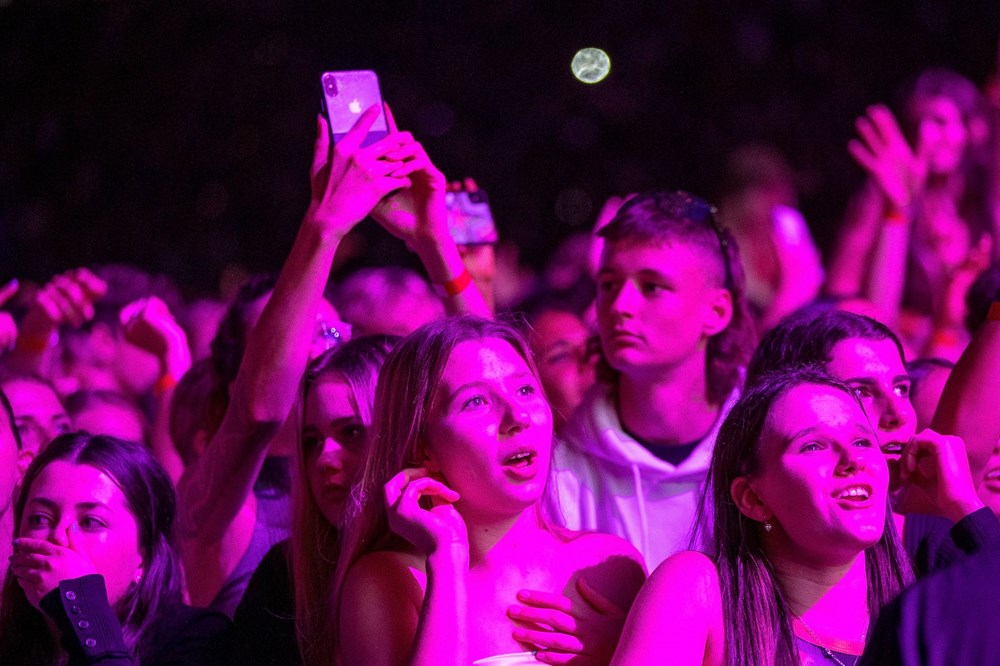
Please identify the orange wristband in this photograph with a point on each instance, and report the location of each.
(37, 345)
(163, 384)
(896, 216)
(945, 338)
(994, 312)
(454, 286)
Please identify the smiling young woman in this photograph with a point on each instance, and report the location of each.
(805, 550)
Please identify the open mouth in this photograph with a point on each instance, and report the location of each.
(992, 479)
(520, 459)
(853, 494)
(892, 448)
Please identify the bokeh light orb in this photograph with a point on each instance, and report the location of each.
(591, 65)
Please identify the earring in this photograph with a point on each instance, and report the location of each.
(768, 526)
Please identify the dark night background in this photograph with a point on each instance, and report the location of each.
(177, 135)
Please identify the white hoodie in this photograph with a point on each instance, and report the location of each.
(608, 482)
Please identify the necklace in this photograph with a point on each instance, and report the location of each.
(827, 652)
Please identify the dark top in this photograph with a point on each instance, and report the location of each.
(948, 618)
(91, 634)
(935, 543)
(264, 626)
(273, 524)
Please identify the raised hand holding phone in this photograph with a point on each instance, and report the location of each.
(346, 95)
(348, 180)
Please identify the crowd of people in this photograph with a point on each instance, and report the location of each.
(694, 444)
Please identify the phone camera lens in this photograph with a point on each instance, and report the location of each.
(330, 83)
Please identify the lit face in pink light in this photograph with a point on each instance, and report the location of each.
(65, 494)
(822, 478)
(333, 440)
(657, 305)
(489, 431)
(559, 342)
(876, 373)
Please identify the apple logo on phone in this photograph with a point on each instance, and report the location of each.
(355, 106)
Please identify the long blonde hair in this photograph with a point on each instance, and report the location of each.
(315, 543)
(406, 387)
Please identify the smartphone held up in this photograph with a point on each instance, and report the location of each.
(346, 95)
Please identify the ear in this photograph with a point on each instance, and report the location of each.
(427, 459)
(748, 501)
(718, 312)
(24, 458)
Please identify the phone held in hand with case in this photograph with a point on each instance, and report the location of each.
(470, 219)
(346, 95)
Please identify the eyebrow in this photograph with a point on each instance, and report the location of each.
(811, 429)
(45, 501)
(869, 380)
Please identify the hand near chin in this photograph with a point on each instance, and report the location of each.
(567, 631)
(421, 511)
(934, 472)
(39, 565)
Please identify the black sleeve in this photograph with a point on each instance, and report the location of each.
(976, 532)
(883, 647)
(188, 636)
(264, 624)
(90, 631)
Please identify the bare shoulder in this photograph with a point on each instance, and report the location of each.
(379, 609)
(598, 547)
(679, 606)
(386, 569)
(688, 571)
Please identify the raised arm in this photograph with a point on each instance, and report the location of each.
(68, 299)
(418, 216)
(899, 173)
(347, 182)
(967, 407)
(149, 324)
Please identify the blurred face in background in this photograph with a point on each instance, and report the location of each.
(558, 341)
(38, 414)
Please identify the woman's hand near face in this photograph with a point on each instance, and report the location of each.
(936, 467)
(897, 170)
(431, 530)
(40, 565)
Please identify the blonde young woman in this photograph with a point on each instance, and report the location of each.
(447, 558)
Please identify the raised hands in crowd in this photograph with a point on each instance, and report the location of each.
(463, 491)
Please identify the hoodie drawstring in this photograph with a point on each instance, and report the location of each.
(640, 497)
